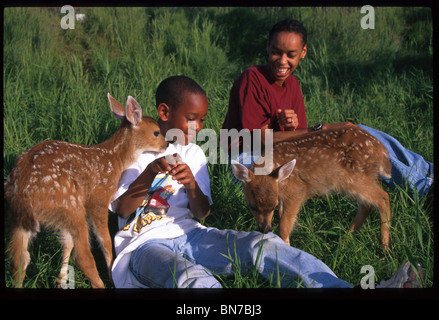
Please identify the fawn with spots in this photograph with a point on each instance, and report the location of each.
(68, 187)
(346, 160)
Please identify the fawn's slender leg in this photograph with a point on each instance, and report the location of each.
(99, 218)
(371, 195)
(383, 204)
(67, 245)
(82, 254)
(288, 219)
(363, 212)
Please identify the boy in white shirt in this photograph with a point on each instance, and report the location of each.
(172, 249)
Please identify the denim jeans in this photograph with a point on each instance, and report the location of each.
(189, 261)
(407, 166)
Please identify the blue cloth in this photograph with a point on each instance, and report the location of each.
(407, 166)
(188, 261)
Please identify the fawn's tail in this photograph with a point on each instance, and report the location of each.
(21, 210)
(385, 166)
(23, 224)
(18, 253)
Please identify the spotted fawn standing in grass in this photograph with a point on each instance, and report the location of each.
(346, 160)
(68, 187)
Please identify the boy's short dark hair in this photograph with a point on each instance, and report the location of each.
(170, 90)
(289, 25)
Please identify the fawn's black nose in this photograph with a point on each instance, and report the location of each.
(264, 228)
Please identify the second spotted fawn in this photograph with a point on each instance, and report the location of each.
(345, 160)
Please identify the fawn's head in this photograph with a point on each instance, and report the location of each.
(262, 191)
(147, 136)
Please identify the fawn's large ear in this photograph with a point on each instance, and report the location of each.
(133, 111)
(117, 108)
(284, 171)
(241, 172)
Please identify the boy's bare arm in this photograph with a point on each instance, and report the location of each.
(198, 202)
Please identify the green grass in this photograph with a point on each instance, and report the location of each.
(55, 83)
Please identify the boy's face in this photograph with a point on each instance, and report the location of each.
(187, 117)
(284, 54)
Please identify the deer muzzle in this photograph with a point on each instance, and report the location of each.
(264, 227)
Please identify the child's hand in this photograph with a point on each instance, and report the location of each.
(160, 165)
(183, 174)
(288, 119)
(198, 202)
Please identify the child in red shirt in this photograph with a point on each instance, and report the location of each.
(256, 100)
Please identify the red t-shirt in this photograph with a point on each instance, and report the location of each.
(255, 98)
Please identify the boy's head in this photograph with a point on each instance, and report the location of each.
(286, 46)
(288, 25)
(181, 104)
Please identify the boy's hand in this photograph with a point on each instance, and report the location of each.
(183, 174)
(288, 119)
(180, 171)
(198, 202)
(160, 165)
(133, 197)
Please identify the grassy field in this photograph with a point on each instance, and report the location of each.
(55, 83)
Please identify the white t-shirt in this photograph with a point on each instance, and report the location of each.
(177, 221)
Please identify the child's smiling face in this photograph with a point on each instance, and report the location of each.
(187, 117)
(284, 54)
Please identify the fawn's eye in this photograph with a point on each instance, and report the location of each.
(156, 133)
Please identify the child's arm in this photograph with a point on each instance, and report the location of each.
(133, 197)
(198, 202)
(285, 135)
